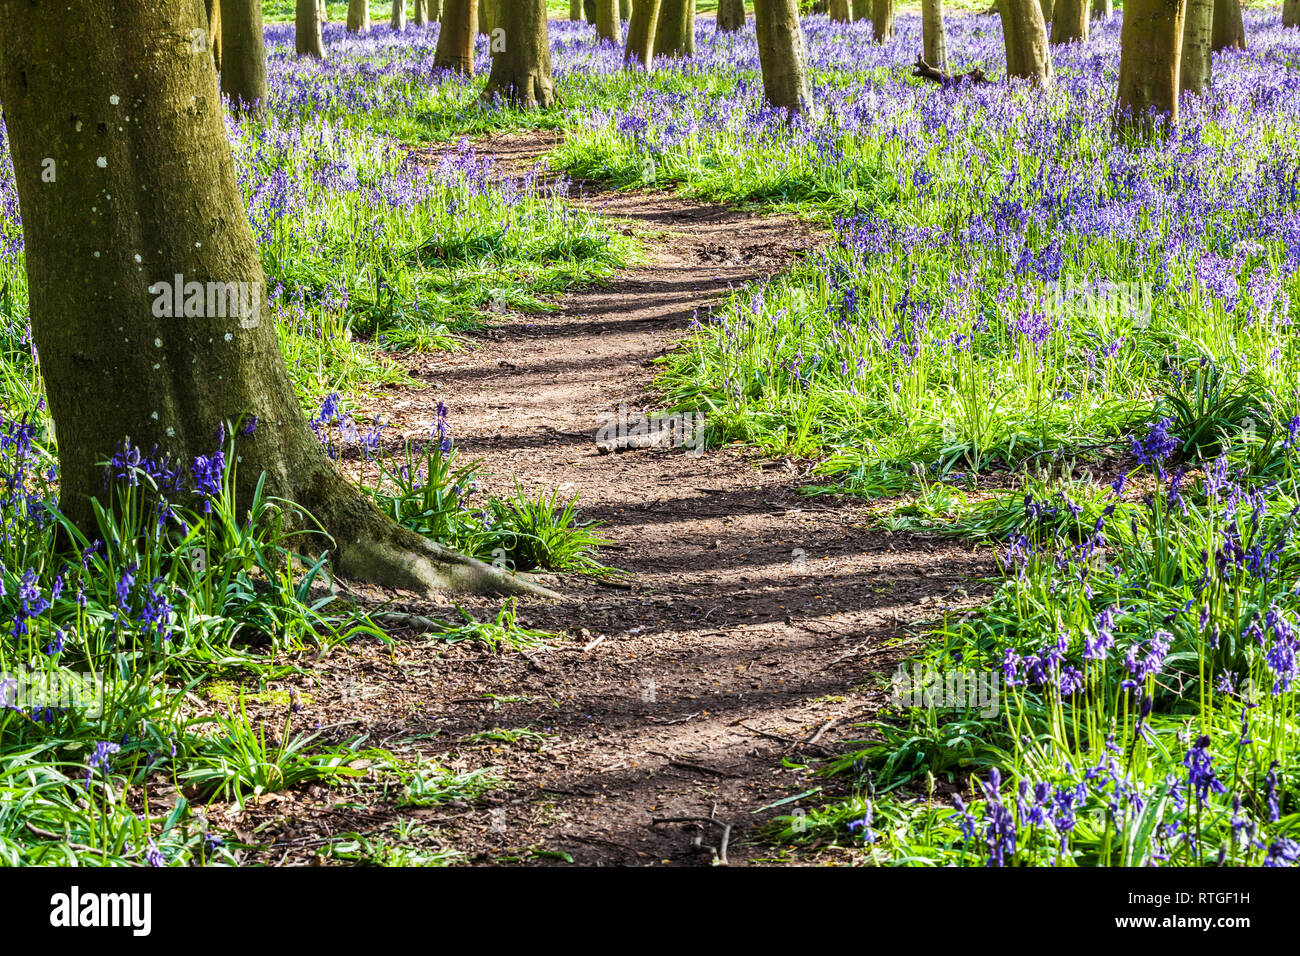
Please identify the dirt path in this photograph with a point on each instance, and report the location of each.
(756, 620)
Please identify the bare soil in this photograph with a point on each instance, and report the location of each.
(754, 632)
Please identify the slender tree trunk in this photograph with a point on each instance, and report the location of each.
(1150, 49)
(1049, 9)
(1291, 13)
(641, 33)
(1101, 9)
(308, 39)
(324, 12)
(781, 54)
(882, 20)
(1025, 35)
(1070, 21)
(455, 49)
(675, 34)
(243, 55)
(839, 11)
(607, 25)
(398, 18)
(575, 9)
(731, 15)
(1229, 27)
(213, 8)
(521, 72)
(1194, 69)
(589, 10)
(358, 16)
(112, 367)
(933, 40)
(861, 9)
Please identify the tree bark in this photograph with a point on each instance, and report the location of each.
(882, 20)
(1150, 50)
(624, 10)
(1291, 13)
(146, 191)
(1229, 27)
(358, 16)
(213, 8)
(731, 15)
(607, 25)
(398, 18)
(933, 40)
(487, 16)
(521, 72)
(1049, 9)
(1101, 9)
(589, 10)
(640, 46)
(575, 9)
(861, 9)
(781, 54)
(1025, 35)
(455, 49)
(308, 39)
(1070, 21)
(243, 55)
(839, 11)
(675, 34)
(1194, 70)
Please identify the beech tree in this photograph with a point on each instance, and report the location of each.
(1101, 9)
(358, 16)
(839, 11)
(455, 50)
(675, 34)
(1194, 69)
(607, 25)
(213, 9)
(521, 69)
(1150, 50)
(1069, 21)
(243, 55)
(933, 41)
(1229, 27)
(882, 20)
(861, 9)
(781, 54)
(1024, 33)
(639, 49)
(731, 14)
(1291, 13)
(146, 191)
(397, 19)
(308, 37)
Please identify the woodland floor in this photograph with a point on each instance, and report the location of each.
(754, 629)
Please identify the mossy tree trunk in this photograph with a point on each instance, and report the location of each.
(243, 55)
(1194, 69)
(675, 34)
(1025, 35)
(1070, 21)
(640, 46)
(146, 190)
(308, 38)
(607, 25)
(781, 53)
(455, 50)
(1229, 27)
(1150, 50)
(934, 43)
(882, 20)
(731, 15)
(358, 16)
(521, 69)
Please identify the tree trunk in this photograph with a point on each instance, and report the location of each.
(882, 20)
(487, 16)
(575, 9)
(861, 9)
(243, 55)
(781, 54)
(147, 192)
(358, 16)
(1025, 35)
(456, 39)
(398, 18)
(213, 8)
(838, 10)
(1194, 70)
(589, 9)
(607, 25)
(1101, 9)
(675, 34)
(641, 33)
(1150, 45)
(1229, 28)
(1291, 13)
(624, 10)
(731, 15)
(1049, 9)
(1070, 21)
(419, 12)
(521, 71)
(933, 41)
(307, 32)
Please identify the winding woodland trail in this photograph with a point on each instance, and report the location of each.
(758, 624)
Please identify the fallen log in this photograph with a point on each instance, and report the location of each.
(927, 72)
